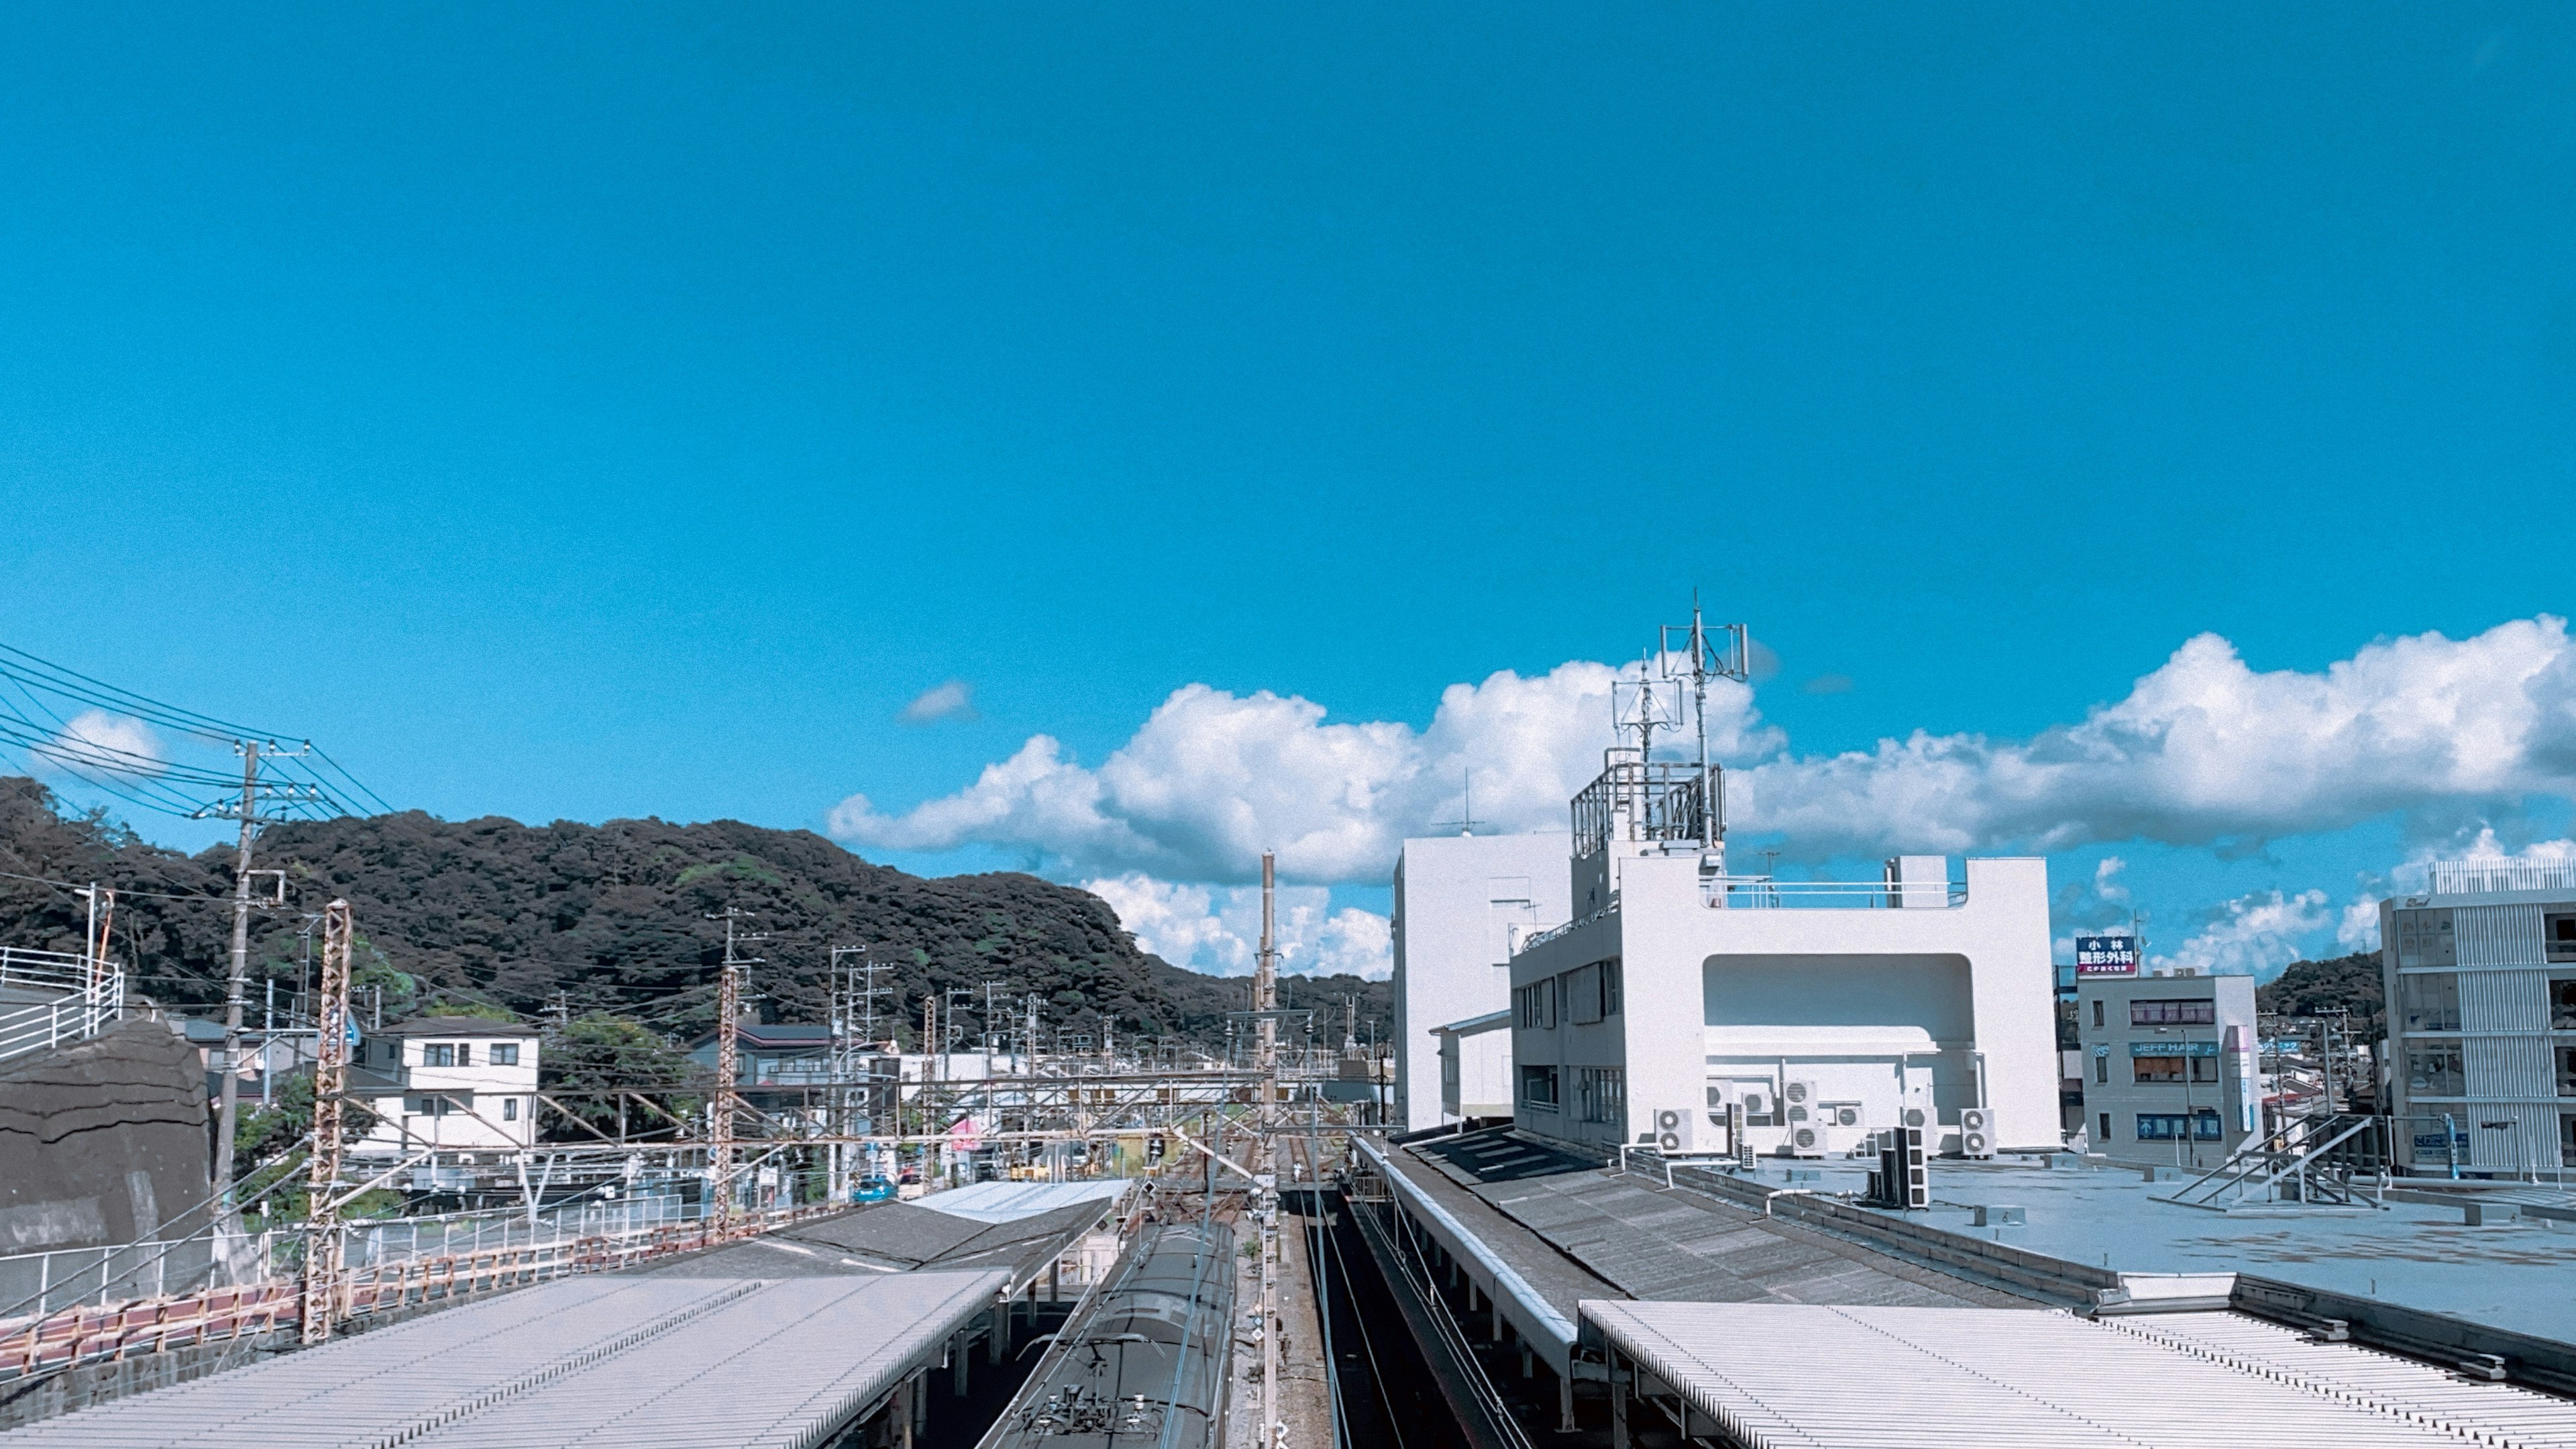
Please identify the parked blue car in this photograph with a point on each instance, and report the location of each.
(872, 1189)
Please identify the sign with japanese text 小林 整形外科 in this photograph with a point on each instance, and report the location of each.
(2106, 955)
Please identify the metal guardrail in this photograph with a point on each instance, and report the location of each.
(86, 1008)
(92, 1334)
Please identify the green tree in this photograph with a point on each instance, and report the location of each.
(266, 1132)
(597, 1055)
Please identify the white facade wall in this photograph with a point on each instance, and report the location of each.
(489, 1108)
(1460, 902)
(1476, 1068)
(1927, 1005)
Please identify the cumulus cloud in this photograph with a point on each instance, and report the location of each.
(2205, 750)
(1213, 778)
(96, 742)
(1217, 929)
(2252, 935)
(2202, 751)
(2358, 930)
(952, 700)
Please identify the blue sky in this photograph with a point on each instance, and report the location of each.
(614, 410)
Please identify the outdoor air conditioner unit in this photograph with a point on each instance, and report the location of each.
(1757, 1102)
(1674, 1129)
(1807, 1138)
(1976, 1132)
(1842, 1114)
(1799, 1094)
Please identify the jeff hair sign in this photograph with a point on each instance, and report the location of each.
(2106, 955)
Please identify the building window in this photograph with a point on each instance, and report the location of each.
(2106, 1128)
(2558, 936)
(2567, 1139)
(1610, 988)
(2170, 1069)
(510, 1107)
(2102, 1070)
(2433, 1069)
(2097, 1013)
(1538, 1004)
(2562, 1003)
(2199, 1012)
(1601, 1094)
(443, 1054)
(2175, 1126)
(2567, 1071)
(506, 1054)
(1538, 1086)
(2429, 1002)
(1583, 994)
(2424, 939)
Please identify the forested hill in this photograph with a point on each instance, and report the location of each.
(615, 916)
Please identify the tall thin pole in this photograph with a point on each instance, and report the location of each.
(720, 1154)
(236, 982)
(322, 1247)
(1265, 1000)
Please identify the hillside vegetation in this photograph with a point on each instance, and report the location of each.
(616, 918)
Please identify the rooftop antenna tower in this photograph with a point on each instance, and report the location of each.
(1695, 654)
(1466, 822)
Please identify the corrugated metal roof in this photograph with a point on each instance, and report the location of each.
(1863, 1377)
(1002, 1202)
(631, 1361)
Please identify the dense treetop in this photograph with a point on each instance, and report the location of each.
(614, 916)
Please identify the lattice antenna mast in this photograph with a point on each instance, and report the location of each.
(322, 1246)
(728, 1013)
(1705, 654)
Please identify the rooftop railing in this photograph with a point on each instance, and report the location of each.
(1762, 892)
(2481, 877)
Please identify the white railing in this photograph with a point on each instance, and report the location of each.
(1761, 892)
(88, 1008)
(2480, 877)
(48, 970)
(36, 1284)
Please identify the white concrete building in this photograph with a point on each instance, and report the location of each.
(1834, 1007)
(1461, 905)
(1476, 1066)
(2480, 975)
(455, 1083)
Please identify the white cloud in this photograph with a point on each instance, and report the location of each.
(96, 742)
(2202, 751)
(1217, 929)
(2359, 928)
(1213, 778)
(2252, 935)
(2205, 750)
(952, 700)
(2106, 883)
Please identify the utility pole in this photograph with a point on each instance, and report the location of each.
(322, 1247)
(728, 1010)
(234, 982)
(1265, 1002)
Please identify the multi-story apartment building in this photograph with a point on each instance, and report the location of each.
(2169, 1066)
(454, 1083)
(2480, 980)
